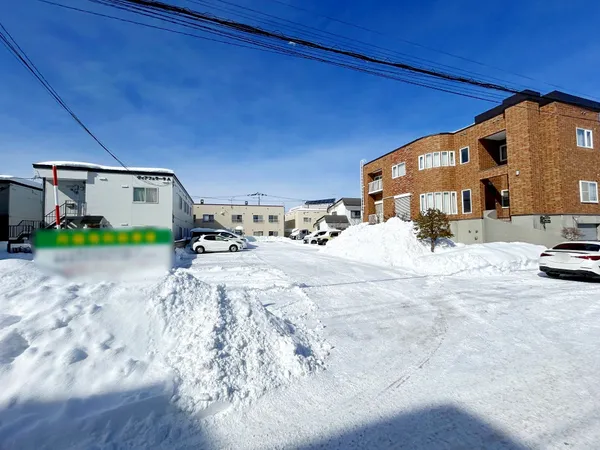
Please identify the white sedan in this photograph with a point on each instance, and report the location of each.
(216, 243)
(581, 258)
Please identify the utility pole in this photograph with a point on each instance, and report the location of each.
(257, 194)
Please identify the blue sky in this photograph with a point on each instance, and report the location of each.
(232, 121)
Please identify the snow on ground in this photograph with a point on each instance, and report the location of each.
(394, 244)
(203, 347)
(336, 354)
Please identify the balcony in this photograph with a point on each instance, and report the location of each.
(493, 151)
(375, 186)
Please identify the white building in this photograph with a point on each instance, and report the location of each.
(305, 216)
(94, 195)
(349, 207)
(20, 206)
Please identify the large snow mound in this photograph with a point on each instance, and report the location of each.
(394, 244)
(195, 345)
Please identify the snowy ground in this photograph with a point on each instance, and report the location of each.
(349, 355)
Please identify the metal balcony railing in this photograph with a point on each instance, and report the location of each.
(375, 186)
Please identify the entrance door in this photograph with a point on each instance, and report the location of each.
(75, 194)
(589, 231)
(379, 211)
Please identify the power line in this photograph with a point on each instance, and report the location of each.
(148, 6)
(13, 47)
(416, 44)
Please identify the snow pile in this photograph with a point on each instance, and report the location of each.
(71, 351)
(393, 243)
(224, 345)
(267, 239)
(92, 166)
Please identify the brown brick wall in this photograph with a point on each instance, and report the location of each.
(542, 173)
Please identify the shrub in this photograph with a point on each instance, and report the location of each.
(571, 233)
(432, 225)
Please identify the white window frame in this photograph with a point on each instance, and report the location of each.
(258, 218)
(595, 184)
(209, 216)
(430, 200)
(428, 160)
(462, 200)
(438, 201)
(446, 204)
(421, 162)
(439, 159)
(503, 146)
(452, 158)
(396, 172)
(468, 155)
(442, 159)
(453, 202)
(422, 202)
(586, 133)
(502, 198)
(146, 195)
(307, 220)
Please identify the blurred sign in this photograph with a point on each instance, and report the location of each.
(107, 254)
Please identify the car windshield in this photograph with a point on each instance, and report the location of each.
(579, 246)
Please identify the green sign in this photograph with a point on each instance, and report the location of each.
(100, 237)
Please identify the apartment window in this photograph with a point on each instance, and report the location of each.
(430, 203)
(436, 159)
(273, 219)
(428, 161)
(399, 170)
(237, 218)
(503, 153)
(421, 162)
(451, 158)
(444, 201)
(258, 233)
(273, 233)
(145, 195)
(438, 201)
(307, 220)
(257, 219)
(180, 202)
(504, 198)
(464, 155)
(444, 156)
(466, 202)
(355, 214)
(208, 218)
(588, 191)
(584, 138)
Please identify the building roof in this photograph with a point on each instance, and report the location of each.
(334, 219)
(348, 201)
(77, 165)
(542, 100)
(22, 181)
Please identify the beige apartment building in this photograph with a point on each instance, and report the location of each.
(305, 216)
(250, 220)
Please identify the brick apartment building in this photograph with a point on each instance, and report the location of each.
(523, 171)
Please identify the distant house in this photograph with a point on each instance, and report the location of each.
(332, 222)
(102, 196)
(349, 207)
(20, 205)
(251, 220)
(304, 216)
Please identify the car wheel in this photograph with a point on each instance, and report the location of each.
(553, 275)
(199, 249)
(233, 248)
(313, 242)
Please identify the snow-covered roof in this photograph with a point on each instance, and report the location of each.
(91, 166)
(24, 181)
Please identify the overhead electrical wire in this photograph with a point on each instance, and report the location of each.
(416, 44)
(13, 47)
(233, 29)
